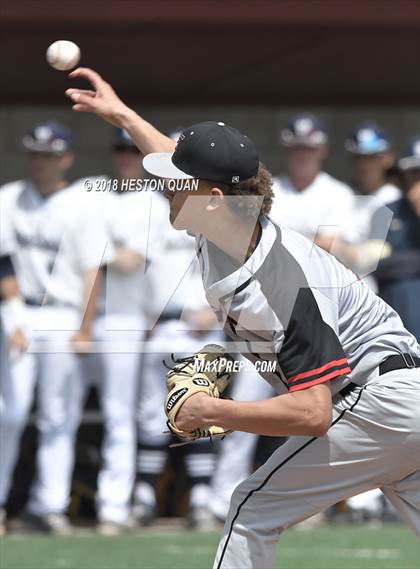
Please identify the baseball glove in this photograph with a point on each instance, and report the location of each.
(207, 371)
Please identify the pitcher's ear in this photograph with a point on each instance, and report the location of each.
(216, 200)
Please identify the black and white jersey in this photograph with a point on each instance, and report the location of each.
(295, 305)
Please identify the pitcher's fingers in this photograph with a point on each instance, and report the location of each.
(83, 99)
(88, 74)
(88, 92)
(81, 108)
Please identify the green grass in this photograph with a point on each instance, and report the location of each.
(390, 547)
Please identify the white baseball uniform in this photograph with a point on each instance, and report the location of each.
(293, 304)
(366, 205)
(175, 289)
(320, 209)
(357, 227)
(6, 247)
(134, 222)
(57, 239)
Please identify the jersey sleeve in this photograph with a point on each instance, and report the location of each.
(381, 221)
(311, 352)
(337, 212)
(128, 221)
(90, 238)
(9, 194)
(149, 231)
(139, 224)
(301, 285)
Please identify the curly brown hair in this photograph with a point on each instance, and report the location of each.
(259, 185)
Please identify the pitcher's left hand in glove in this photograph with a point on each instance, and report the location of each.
(186, 380)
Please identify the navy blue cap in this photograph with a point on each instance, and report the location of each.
(122, 138)
(411, 159)
(49, 137)
(304, 129)
(367, 139)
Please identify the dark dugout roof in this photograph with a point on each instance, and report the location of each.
(187, 52)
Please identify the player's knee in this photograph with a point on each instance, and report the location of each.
(57, 421)
(13, 419)
(119, 422)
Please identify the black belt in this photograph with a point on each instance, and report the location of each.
(398, 362)
(392, 363)
(33, 302)
(169, 315)
(49, 302)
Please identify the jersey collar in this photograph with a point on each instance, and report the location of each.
(228, 285)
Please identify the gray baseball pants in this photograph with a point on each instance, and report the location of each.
(373, 442)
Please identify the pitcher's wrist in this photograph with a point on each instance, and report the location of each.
(126, 117)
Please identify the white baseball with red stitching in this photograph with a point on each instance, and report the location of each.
(63, 55)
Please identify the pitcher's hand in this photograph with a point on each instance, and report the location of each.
(102, 100)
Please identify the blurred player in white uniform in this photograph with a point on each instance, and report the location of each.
(60, 243)
(12, 339)
(133, 223)
(307, 199)
(185, 323)
(372, 156)
(315, 204)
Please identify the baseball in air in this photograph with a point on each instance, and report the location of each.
(63, 55)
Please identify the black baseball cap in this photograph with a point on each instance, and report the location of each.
(210, 151)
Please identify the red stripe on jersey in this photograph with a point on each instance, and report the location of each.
(318, 370)
(321, 379)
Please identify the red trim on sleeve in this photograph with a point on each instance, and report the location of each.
(318, 370)
(321, 379)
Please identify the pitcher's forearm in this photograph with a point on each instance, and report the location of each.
(146, 137)
(300, 413)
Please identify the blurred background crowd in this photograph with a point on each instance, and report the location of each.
(98, 290)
